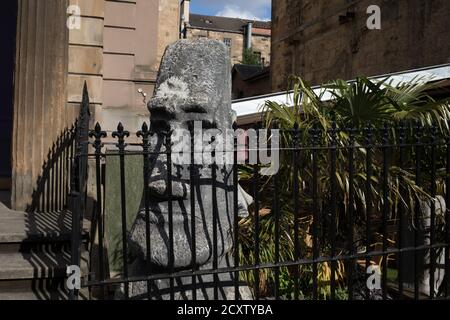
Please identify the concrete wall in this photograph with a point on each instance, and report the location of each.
(309, 40)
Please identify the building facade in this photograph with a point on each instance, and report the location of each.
(249, 81)
(322, 40)
(58, 45)
(117, 51)
(236, 33)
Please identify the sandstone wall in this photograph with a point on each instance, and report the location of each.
(117, 51)
(260, 42)
(309, 39)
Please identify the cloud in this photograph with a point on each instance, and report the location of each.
(234, 11)
(246, 9)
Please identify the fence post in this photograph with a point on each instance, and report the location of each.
(144, 133)
(98, 134)
(447, 221)
(78, 182)
(385, 209)
(121, 134)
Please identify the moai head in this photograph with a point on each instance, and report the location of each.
(193, 85)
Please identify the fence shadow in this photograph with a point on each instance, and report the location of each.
(52, 186)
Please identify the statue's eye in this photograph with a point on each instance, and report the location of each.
(205, 124)
(160, 113)
(160, 126)
(194, 108)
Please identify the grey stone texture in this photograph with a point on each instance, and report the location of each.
(194, 84)
(34, 254)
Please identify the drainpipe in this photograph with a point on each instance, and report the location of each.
(248, 40)
(185, 17)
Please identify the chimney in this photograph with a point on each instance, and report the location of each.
(184, 17)
(248, 39)
(185, 11)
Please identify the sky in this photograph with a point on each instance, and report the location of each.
(245, 9)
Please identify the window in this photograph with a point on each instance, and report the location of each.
(227, 42)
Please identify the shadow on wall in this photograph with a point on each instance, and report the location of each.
(49, 221)
(52, 186)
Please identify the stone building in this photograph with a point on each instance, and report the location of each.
(250, 81)
(51, 48)
(238, 34)
(322, 40)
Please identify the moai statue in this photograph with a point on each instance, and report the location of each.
(193, 89)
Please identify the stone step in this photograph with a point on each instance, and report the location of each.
(33, 295)
(35, 253)
(40, 295)
(32, 289)
(40, 289)
(18, 227)
(35, 246)
(36, 276)
(36, 265)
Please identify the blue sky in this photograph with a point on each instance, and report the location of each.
(246, 9)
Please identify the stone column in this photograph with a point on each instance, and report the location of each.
(40, 91)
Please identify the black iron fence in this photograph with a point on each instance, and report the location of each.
(346, 213)
(78, 181)
(53, 185)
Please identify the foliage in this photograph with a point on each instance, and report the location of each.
(249, 57)
(376, 110)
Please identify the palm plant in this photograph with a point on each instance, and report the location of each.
(376, 110)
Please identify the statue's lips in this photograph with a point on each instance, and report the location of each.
(159, 198)
(161, 218)
(158, 190)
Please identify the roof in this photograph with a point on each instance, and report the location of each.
(225, 23)
(248, 72)
(264, 73)
(248, 109)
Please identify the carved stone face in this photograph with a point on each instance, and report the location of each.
(194, 84)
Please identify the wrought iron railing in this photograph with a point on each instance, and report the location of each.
(344, 203)
(78, 181)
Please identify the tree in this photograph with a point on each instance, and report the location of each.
(249, 57)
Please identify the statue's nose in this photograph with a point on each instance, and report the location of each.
(158, 189)
(159, 182)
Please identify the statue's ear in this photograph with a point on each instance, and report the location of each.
(244, 201)
(233, 116)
